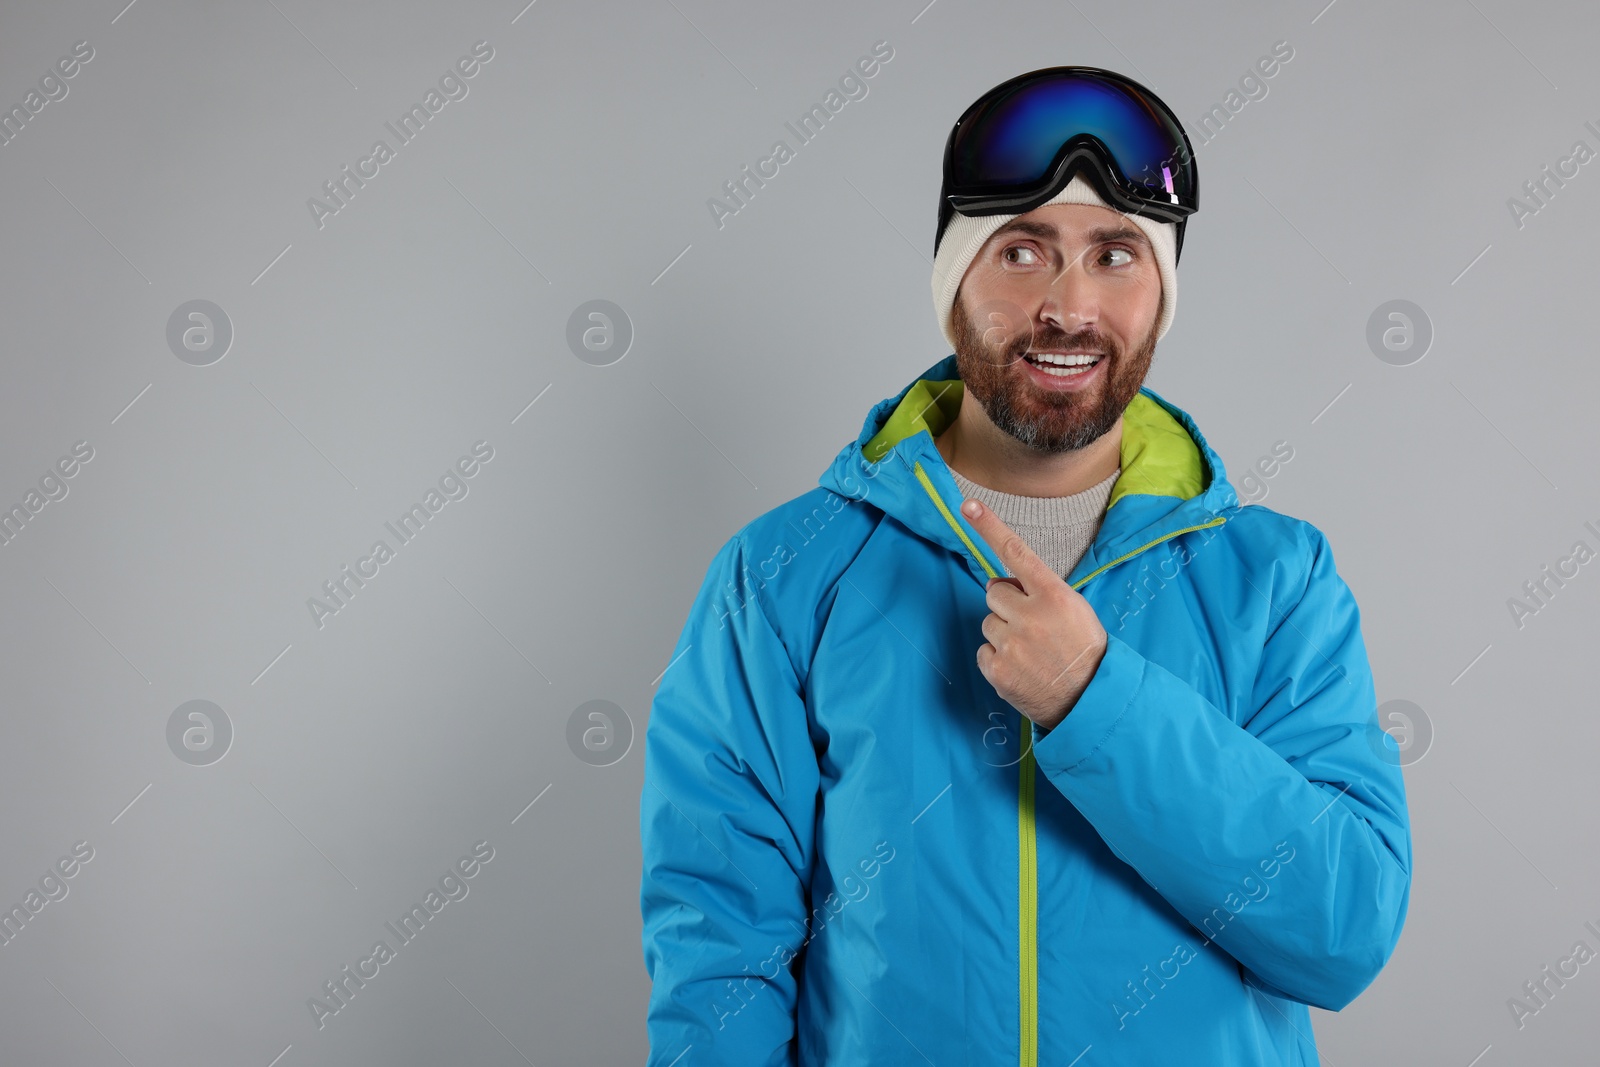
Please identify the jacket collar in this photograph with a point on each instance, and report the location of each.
(1171, 480)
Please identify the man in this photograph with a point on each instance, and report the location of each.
(1018, 740)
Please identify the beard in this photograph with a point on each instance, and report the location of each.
(1045, 420)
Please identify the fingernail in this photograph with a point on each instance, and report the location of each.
(971, 509)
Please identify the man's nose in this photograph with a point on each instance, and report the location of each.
(1071, 298)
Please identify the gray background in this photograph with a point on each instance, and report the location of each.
(369, 354)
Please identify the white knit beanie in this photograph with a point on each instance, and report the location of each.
(964, 235)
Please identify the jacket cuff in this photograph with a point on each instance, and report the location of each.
(1097, 714)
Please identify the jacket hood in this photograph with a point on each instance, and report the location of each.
(1170, 479)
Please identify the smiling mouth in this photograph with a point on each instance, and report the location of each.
(1060, 365)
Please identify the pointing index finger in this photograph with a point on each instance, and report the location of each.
(1013, 551)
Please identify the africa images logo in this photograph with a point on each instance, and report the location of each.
(452, 86)
(453, 485)
(342, 988)
(852, 86)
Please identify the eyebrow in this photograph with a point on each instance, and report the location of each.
(1100, 235)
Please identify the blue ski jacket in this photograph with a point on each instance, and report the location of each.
(855, 852)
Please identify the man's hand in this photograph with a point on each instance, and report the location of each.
(1044, 640)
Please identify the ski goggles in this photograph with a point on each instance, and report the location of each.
(1022, 141)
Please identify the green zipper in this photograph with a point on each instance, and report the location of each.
(1027, 841)
(1027, 909)
(1081, 582)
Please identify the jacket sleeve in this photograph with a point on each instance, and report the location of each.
(1283, 838)
(726, 824)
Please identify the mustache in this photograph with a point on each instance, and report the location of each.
(1089, 340)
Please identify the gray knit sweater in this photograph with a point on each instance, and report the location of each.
(1059, 529)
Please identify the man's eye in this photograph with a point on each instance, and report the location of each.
(1020, 250)
(1120, 251)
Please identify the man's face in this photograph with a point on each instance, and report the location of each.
(1070, 280)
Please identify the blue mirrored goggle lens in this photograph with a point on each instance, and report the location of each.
(1012, 140)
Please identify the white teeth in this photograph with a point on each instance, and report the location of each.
(1063, 361)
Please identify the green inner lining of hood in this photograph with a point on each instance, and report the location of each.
(1158, 457)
